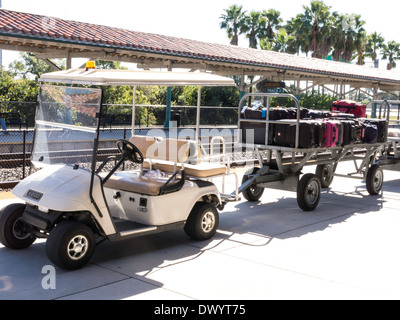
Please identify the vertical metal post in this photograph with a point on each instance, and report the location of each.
(168, 110)
(23, 155)
(198, 115)
(133, 110)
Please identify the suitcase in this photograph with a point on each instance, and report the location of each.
(382, 127)
(334, 133)
(339, 116)
(351, 132)
(318, 114)
(350, 106)
(254, 114)
(285, 134)
(254, 133)
(370, 132)
(278, 114)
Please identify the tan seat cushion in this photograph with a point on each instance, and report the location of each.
(143, 143)
(202, 170)
(132, 182)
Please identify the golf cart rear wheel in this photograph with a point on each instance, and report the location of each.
(252, 193)
(13, 234)
(70, 245)
(374, 180)
(309, 192)
(203, 221)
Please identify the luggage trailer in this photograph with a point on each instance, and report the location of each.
(282, 167)
(389, 158)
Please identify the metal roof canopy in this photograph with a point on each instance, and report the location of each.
(105, 77)
(50, 37)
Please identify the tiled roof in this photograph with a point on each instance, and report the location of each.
(49, 29)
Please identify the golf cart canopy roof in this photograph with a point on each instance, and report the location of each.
(108, 77)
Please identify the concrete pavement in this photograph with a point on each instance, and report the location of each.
(346, 249)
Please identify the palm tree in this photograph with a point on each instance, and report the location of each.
(361, 47)
(354, 31)
(255, 28)
(281, 42)
(233, 22)
(318, 18)
(391, 52)
(273, 20)
(297, 27)
(375, 42)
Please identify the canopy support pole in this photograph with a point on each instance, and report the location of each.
(198, 114)
(167, 123)
(133, 110)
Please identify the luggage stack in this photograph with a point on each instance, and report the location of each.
(317, 129)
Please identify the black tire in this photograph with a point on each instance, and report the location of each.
(374, 180)
(70, 245)
(252, 193)
(12, 230)
(309, 192)
(203, 221)
(325, 174)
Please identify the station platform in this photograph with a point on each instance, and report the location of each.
(347, 249)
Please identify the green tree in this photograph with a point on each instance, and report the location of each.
(255, 28)
(317, 17)
(233, 22)
(298, 29)
(273, 20)
(375, 42)
(391, 52)
(31, 67)
(348, 37)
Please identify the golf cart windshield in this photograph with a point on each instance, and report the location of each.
(66, 125)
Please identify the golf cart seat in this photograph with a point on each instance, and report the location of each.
(170, 155)
(138, 183)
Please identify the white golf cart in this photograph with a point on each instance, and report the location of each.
(75, 202)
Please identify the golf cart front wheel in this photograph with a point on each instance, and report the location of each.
(309, 192)
(70, 245)
(13, 234)
(203, 221)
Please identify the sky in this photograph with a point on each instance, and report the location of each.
(196, 20)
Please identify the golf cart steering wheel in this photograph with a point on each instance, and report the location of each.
(129, 151)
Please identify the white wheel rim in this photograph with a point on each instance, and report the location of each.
(208, 222)
(78, 247)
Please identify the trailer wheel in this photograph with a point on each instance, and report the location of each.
(70, 245)
(374, 180)
(252, 193)
(325, 174)
(309, 192)
(203, 221)
(12, 230)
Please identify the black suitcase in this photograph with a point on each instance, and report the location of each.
(318, 114)
(285, 134)
(254, 114)
(254, 133)
(349, 132)
(278, 114)
(382, 127)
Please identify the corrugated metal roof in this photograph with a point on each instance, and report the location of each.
(49, 32)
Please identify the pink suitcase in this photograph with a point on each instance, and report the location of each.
(333, 133)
